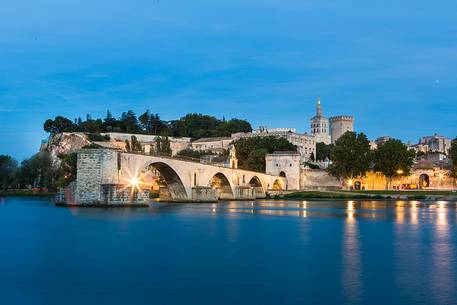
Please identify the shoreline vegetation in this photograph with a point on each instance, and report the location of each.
(372, 195)
(26, 193)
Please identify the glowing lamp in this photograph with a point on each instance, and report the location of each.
(135, 182)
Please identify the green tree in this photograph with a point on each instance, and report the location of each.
(68, 168)
(196, 125)
(128, 122)
(453, 157)
(8, 170)
(145, 121)
(58, 125)
(128, 148)
(190, 153)
(135, 144)
(323, 151)
(227, 128)
(251, 152)
(109, 123)
(39, 171)
(393, 159)
(163, 147)
(351, 156)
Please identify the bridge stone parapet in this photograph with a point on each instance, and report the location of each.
(104, 175)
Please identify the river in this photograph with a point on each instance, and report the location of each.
(264, 252)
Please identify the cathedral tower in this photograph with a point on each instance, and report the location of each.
(320, 127)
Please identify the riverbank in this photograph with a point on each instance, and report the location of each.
(25, 193)
(372, 195)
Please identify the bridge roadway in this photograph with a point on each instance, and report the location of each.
(114, 177)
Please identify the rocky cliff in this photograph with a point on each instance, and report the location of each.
(64, 143)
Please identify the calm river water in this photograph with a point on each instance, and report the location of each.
(265, 252)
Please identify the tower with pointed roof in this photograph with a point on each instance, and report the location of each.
(320, 127)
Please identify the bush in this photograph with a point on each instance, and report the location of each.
(96, 137)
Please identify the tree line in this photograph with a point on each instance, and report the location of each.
(352, 157)
(41, 172)
(193, 125)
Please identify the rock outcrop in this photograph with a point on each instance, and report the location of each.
(64, 143)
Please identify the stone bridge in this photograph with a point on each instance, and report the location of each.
(113, 177)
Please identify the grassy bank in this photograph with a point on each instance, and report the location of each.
(328, 195)
(406, 192)
(372, 195)
(25, 193)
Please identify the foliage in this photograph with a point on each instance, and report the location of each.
(163, 147)
(68, 168)
(226, 128)
(152, 124)
(190, 153)
(39, 171)
(191, 125)
(393, 158)
(453, 157)
(128, 148)
(135, 145)
(251, 151)
(312, 166)
(323, 151)
(8, 170)
(96, 137)
(351, 156)
(58, 125)
(312, 158)
(91, 145)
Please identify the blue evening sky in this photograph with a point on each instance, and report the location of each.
(392, 64)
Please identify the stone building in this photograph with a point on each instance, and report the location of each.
(216, 145)
(436, 143)
(285, 164)
(306, 143)
(382, 140)
(320, 126)
(339, 125)
(329, 130)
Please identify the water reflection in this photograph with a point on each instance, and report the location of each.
(351, 273)
(401, 211)
(322, 252)
(443, 257)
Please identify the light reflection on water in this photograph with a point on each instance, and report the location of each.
(269, 252)
(351, 273)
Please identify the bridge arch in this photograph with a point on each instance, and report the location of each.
(175, 186)
(255, 182)
(277, 185)
(258, 186)
(222, 185)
